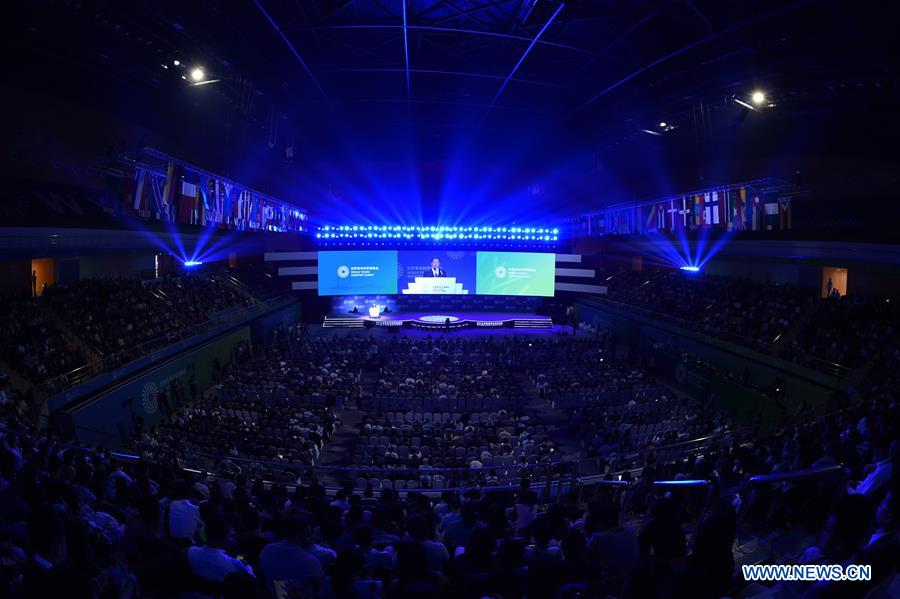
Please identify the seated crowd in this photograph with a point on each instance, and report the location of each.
(111, 314)
(620, 410)
(833, 334)
(272, 407)
(81, 523)
(116, 314)
(444, 403)
(739, 309)
(846, 331)
(32, 344)
(196, 298)
(438, 374)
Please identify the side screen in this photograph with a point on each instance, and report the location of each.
(516, 273)
(357, 272)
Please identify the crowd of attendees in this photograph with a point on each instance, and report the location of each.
(445, 496)
(272, 407)
(32, 343)
(118, 314)
(448, 374)
(751, 312)
(82, 523)
(196, 298)
(112, 314)
(449, 403)
(620, 409)
(836, 334)
(847, 331)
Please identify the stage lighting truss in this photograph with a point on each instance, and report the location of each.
(436, 234)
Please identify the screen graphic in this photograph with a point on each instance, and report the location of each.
(357, 272)
(515, 273)
(431, 272)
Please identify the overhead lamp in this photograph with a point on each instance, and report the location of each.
(197, 74)
(758, 97)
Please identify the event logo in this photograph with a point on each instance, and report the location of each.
(343, 271)
(150, 397)
(500, 272)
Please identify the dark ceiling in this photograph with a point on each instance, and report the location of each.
(576, 82)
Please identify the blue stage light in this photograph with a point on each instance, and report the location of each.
(691, 268)
(192, 263)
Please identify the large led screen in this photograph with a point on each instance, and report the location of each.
(357, 272)
(515, 273)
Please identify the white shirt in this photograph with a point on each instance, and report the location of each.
(214, 564)
(876, 479)
(434, 271)
(184, 519)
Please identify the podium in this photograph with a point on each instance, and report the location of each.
(435, 286)
(374, 312)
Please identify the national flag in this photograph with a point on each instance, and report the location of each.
(757, 214)
(254, 212)
(771, 213)
(142, 192)
(711, 208)
(739, 213)
(784, 213)
(651, 222)
(187, 202)
(684, 212)
(174, 176)
(697, 219)
(228, 201)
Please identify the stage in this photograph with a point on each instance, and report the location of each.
(437, 321)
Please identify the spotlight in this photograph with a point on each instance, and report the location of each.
(192, 263)
(176, 62)
(758, 97)
(662, 124)
(691, 268)
(197, 74)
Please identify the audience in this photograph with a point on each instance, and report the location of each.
(455, 484)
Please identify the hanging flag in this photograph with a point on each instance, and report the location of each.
(770, 207)
(757, 214)
(711, 208)
(784, 213)
(697, 208)
(227, 203)
(186, 200)
(740, 203)
(651, 222)
(157, 204)
(174, 176)
(142, 192)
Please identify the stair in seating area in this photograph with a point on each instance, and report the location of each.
(786, 339)
(331, 322)
(538, 322)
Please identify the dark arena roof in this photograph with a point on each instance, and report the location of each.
(383, 299)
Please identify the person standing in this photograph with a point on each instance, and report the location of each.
(33, 283)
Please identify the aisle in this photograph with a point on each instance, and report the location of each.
(559, 428)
